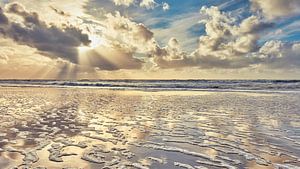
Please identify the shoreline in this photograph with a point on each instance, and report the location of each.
(149, 89)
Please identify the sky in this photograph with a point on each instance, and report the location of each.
(149, 39)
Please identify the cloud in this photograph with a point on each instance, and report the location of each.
(166, 6)
(278, 54)
(22, 61)
(166, 58)
(110, 58)
(148, 4)
(58, 11)
(3, 18)
(284, 32)
(29, 17)
(123, 2)
(123, 39)
(48, 39)
(181, 24)
(276, 8)
(226, 44)
(120, 43)
(230, 45)
(135, 36)
(171, 56)
(3, 58)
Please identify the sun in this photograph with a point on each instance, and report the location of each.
(84, 50)
(95, 42)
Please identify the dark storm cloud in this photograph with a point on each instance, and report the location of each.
(49, 40)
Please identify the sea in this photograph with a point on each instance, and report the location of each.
(188, 85)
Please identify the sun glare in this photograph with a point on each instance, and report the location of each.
(95, 42)
(83, 51)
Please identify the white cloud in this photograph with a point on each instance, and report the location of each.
(123, 2)
(276, 8)
(135, 36)
(148, 4)
(230, 45)
(227, 43)
(166, 6)
(124, 40)
(283, 32)
(277, 54)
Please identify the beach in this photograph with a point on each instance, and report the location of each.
(52, 127)
(149, 84)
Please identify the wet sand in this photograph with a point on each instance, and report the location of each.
(97, 128)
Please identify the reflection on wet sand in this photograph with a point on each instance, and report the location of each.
(97, 128)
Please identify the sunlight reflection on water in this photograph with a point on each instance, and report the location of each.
(95, 127)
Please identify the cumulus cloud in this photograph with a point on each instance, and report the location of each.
(225, 38)
(276, 8)
(135, 36)
(278, 54)
(64, 42)
(226, 44)
(123, 39)
(171, 56)
(48, 39)
(230, 45)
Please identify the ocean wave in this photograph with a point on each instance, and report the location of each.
(165, 84)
